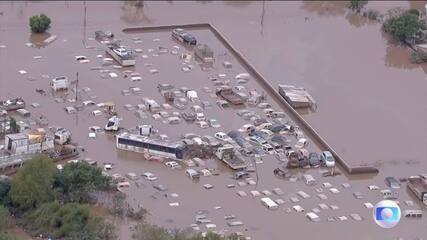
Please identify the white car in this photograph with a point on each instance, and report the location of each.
(120, 51)
(222, 136)
(327, 159)
(149, 176)
(89, 103)
(268, 148)
(302, 142)
(197, 109)
(172, 164)
(200, 117)
(203, 124)
(214, 123)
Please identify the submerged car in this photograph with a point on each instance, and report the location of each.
(314, 160)
(240, 174)
(172, 164)
(183, 36)
(327, 159)
(160, 187)
(149, 176)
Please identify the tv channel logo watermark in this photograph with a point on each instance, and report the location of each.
(387, 214)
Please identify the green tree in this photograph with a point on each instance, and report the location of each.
(4, 192)
(77, 180)
(4, 218)
(32, 185)
(357, 5)
(39, 23)
(13, 125)
(404, 26)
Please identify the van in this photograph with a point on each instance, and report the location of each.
(192, 174)
(309, 180)
(269, 203)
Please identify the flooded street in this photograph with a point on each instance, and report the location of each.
(370, 98)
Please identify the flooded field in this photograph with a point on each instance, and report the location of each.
(370, 102)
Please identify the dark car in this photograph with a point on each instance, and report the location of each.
(160, 187)
(213, 142)
(246, 151)
(281, 172)
(240, 174)
(183, 36)
(314, 159)
(188, 116)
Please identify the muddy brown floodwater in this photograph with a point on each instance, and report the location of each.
(371, 102)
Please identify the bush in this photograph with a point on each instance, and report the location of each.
(357, 5)
(6, 237)
(39, 23)
(372, 14)
(414, 11)
(68, 220)
(147, 231)
(4, 218)
(4, 192)
(404, 26)
(418, 57)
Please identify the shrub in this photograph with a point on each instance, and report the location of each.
(357, 5)
(4, 218)
(6, 237)
(68, 220)
(404, 26)
(39, 23)
(4, 192)
(418, 57)
(414, 11)
(372, 14)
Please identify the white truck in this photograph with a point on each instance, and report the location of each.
(62, 136)
(60, 83)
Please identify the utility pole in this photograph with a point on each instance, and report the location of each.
(262, 17)
(77, 85)
(77, 99)
(84, 25)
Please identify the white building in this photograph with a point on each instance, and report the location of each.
(20, 143)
